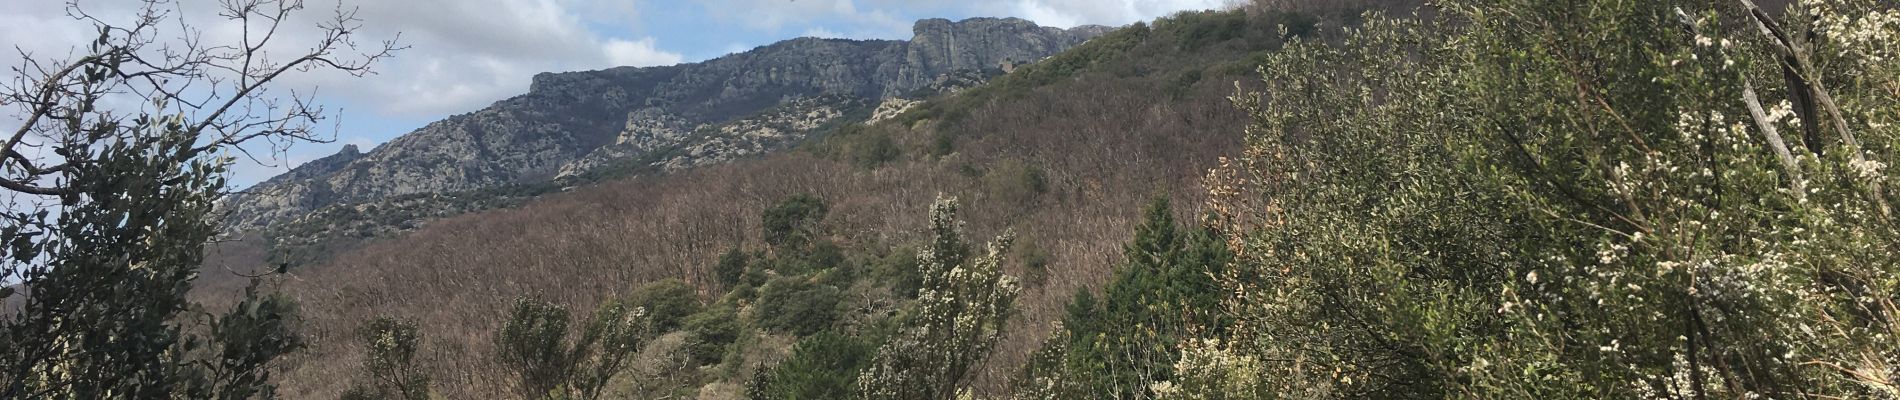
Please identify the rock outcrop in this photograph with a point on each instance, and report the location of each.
(569, 123)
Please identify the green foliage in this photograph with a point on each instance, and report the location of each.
(533, 345)
(712, 330)
(1074, 61)
(957, 318)
(1196, 29)
(797, 306)
(607, 346)
(1016, 182)
(800, 261)
(389, 363)
(1130, 339)
(731, 268)
(899, 269)
(247, 338)
(821, 366)
(793, 222)
(108, 279)
(112, 172)
(862, 145)
(1035, 264)
(667, 302)
(1525, 199)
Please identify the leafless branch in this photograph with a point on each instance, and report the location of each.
(224, 89)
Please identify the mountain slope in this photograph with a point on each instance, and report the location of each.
(567, 117)
(1063, 151)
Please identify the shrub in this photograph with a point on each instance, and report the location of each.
(899, 270)
(795, 306)
(531, 344)
(666, 302)
(958, 317)
(822, 366)
(730, 268)
(1035, 265)
(712, 330)
(390, 362)
(793, 222)
(1016, 182)
(1501, 223)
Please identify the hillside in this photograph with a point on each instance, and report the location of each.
(1063, 151)
(571, 122)
(1310, 199)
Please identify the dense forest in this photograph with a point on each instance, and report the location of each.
(1284, 199)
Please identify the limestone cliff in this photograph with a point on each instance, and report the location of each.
(570, 122)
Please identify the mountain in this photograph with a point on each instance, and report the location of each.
(570, 123)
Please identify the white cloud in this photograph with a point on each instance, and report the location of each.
(1069, 13)
(462, 54)
(639, 53)
(822, 32)
(845, 17)
(875, 18)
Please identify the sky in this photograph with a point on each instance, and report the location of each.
(462, 55)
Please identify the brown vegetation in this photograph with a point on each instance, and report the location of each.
(577, 248)
(1065, 155)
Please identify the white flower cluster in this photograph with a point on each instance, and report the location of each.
(1870, 35)
(1868, 169)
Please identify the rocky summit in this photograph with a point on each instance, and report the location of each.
(671, 117)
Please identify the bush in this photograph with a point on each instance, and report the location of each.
(899, 270)
(711, 331)
(530, 344)
(1035, 265)
(1119, 346)
(390, 362)
(1015, 182)
(730, 268)
(1196, 29)
(667, 302)
(793, 222)
(794, 306)
(533, 345)
(822, 366)
(960, 315)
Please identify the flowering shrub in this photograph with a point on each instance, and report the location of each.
(1531, 199)
(958, 316)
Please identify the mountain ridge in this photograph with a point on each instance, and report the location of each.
(561, 126)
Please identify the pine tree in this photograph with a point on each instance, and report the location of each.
(1163, 290)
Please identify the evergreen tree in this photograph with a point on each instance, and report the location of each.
(108, 208)
(1163, 290)
(821, 366)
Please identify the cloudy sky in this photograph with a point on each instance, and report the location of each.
(465, 54)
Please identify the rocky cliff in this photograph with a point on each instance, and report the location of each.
(705, 112)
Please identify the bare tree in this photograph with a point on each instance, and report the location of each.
(223, 89)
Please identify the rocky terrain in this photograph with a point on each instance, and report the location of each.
(668, 117)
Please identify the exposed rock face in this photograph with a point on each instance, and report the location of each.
(891, 108)
(571, 122)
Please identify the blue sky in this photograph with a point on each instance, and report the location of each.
(465, 54)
